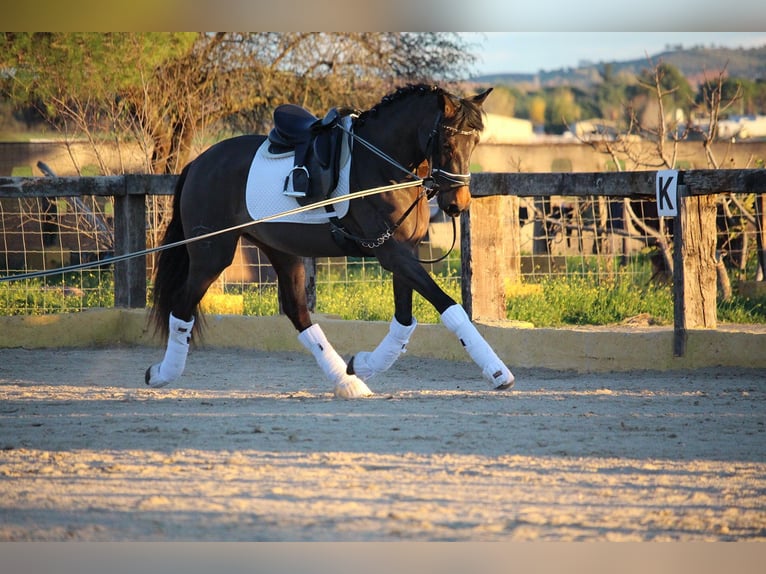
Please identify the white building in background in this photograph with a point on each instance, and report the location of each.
(499, 129)
(742, 127)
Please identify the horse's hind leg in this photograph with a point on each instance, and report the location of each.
(291, 275)
(368, 364)
(207, 259)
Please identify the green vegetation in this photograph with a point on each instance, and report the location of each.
(74, 292)
(371, 301)
(361, 293)
(582, 297)
(621, 92)
(586, 300)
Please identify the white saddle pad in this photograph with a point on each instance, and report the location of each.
(265, 184)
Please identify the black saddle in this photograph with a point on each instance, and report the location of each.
(317, 147)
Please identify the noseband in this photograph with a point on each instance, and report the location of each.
(454, 180)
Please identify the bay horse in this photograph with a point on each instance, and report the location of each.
(417, 124)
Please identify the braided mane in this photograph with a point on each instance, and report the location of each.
(468, 113)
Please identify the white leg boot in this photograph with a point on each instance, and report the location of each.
(345, 386)
(174, 361)
(368, 364)
(492, 368)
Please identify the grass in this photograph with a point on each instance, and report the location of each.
(73, 292)
(584, 300)
(581, 297)
(365, 295)
(742, 310)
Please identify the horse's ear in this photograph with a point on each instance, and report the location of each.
(479, 98)
(450, 105)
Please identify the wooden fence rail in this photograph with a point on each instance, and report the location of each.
(490, 230)
(493, 217)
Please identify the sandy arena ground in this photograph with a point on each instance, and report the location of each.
(252, 446)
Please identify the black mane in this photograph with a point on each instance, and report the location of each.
(468, 114)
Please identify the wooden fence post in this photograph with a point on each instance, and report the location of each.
(130, 237)
(694, 266)
(489, 253)
(760, 231)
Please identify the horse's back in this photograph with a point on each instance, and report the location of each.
(214, 186)
(232, 155)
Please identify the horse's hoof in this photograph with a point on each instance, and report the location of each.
(152, 377)
(505, 386)
(351, 387)
(500, 379)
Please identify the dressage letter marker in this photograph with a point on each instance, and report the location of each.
(666, 188)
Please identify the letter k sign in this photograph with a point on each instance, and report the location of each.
(666, 188)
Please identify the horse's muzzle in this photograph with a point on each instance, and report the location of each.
(455, 202)
(454, 192)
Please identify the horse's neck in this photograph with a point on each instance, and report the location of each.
(396, 135)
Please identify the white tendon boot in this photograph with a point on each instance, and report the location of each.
(174, 361)
(492, 368)
(334, 367)
(368, 364)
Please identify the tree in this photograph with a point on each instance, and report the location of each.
(661, 99)
(502, 102)
(81, 82)
(562, 110)
(536, 110)
(163, 90)
(716, 96)
(609, 95)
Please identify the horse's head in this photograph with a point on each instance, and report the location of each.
(453, 140)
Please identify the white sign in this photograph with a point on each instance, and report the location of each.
(666, 188)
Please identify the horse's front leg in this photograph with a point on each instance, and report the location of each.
(493, 369)
(368, 364)
(452, 315)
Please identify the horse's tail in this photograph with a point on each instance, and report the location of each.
(172, 265)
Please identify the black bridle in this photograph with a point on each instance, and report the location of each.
(430, 185)
(454, 180)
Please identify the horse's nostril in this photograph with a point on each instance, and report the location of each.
(453, 210)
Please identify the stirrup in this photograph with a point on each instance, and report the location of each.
(289, 187)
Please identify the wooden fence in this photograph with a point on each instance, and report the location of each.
(488, 229)
(493, 218)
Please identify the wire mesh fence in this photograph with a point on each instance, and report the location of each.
(580, 241)
(40, 234)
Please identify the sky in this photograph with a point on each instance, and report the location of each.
(530, 52)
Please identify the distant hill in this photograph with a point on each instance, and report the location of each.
(693, 63)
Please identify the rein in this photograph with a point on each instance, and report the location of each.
(430, 188)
